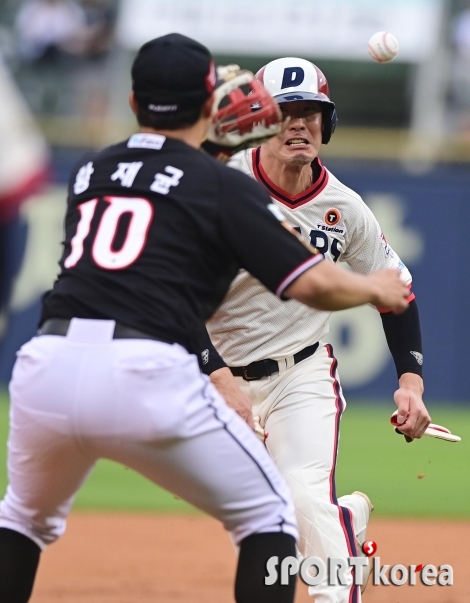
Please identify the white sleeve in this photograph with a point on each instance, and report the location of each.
(368, 250)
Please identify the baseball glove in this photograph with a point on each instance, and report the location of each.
(244, 113)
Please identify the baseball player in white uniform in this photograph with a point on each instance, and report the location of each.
(276, 350)
(150, 250)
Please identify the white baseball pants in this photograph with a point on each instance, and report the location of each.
(141, 403)
(301, 409)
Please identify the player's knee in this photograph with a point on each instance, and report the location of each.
(309, 489)
(43, 530)
(274, 515)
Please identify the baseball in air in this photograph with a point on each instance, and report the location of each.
(383, 47)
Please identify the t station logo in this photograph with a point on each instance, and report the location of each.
(314, 571)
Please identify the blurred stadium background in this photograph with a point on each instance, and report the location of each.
(403, 143)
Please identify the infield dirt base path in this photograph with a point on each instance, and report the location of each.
(122, 558)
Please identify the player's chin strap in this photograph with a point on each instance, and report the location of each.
(244, 113)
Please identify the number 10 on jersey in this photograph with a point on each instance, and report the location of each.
(102, 251)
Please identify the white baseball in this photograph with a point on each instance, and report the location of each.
(383, 47)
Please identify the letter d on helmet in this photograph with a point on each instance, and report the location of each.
(291, 79)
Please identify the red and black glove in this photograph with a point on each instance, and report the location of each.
(244, 114)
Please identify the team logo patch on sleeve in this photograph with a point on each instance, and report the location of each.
(332, 217)
(418, 356)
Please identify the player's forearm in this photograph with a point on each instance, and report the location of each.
(225, 383)
(403, 334)
(223, 380)
(326, 286)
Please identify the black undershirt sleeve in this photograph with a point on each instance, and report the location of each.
(209, 358)
(403, 334)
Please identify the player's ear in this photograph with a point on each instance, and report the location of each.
(133, 103)
(206, 111)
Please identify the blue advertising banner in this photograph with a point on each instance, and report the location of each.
(425, 219)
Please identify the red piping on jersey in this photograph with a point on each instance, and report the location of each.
(292, 201)
(345, 515)
(298, 270)
(409, 299)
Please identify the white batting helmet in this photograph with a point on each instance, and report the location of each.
(293, 79)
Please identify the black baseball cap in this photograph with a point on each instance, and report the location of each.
(172, 73)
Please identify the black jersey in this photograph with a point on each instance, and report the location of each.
(155, 232)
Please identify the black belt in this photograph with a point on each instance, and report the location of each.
(60, 326)
(265, 368)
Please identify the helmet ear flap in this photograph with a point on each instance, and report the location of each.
(330, 119)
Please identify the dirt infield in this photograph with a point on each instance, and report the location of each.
(144, 559)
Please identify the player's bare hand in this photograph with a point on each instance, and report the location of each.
(413, 417)
(260, 431)
(391, 291)
(227, 387)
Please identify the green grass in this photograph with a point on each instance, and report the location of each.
(372, 458)
(379, 462)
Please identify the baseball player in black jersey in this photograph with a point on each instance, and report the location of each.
(155, 231)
